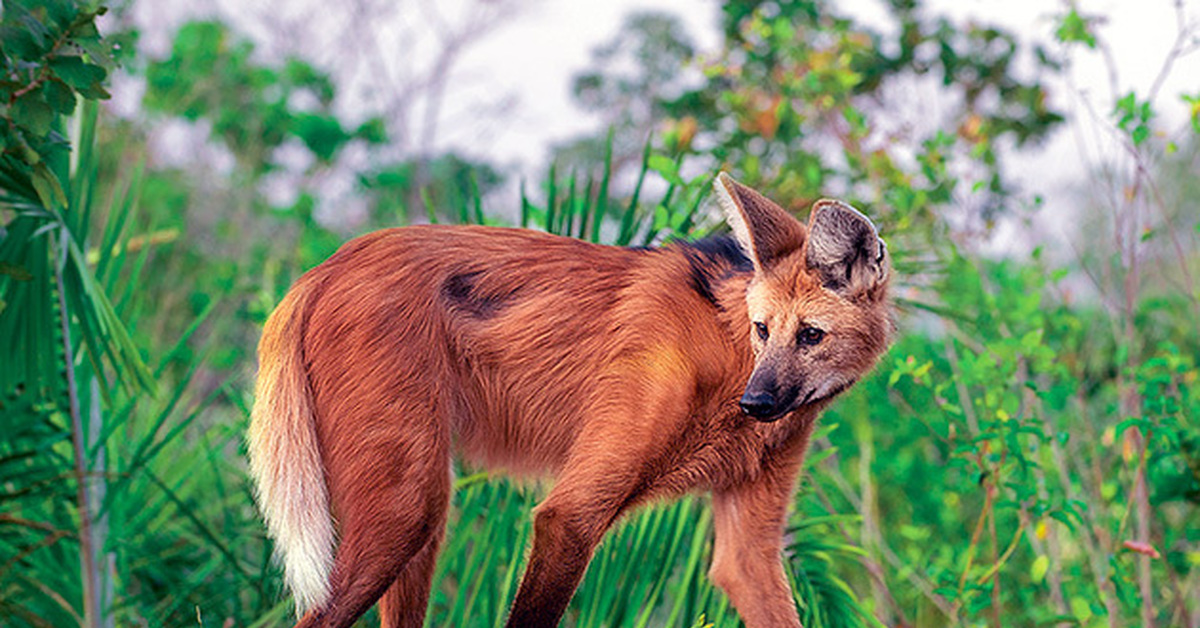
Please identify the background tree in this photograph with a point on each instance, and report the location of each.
(811, 96)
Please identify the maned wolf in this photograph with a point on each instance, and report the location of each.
(630, 375)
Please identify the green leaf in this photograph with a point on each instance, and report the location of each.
(322, 134)
(660, 218)
(32, 112)
(1140, 133)
(1062, 518)
(1031, 341)
(49, 190)
(666, 167)
(1128, 423)
(37, 31)
(1037, 571)
(814, 459)
(98, 50)
(60, 97)
(1075, 28)
(372, 131)
(85, 77)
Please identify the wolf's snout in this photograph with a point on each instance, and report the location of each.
(758, 404)
(761, 398)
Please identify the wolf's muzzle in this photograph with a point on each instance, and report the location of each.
(760, 405)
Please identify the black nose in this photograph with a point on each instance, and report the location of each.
(758, 404)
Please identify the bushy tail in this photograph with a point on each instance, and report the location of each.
(284, 459)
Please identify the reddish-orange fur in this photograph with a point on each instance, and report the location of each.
(617, 371)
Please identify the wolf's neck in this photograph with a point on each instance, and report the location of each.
(730, 293)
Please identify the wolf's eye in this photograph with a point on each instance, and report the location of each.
(810, 336)
(761, 329)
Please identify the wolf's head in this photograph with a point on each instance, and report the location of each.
(818, 305)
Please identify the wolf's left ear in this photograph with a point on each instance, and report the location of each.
(844, 249)
(766, 232)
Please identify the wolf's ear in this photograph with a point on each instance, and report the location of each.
(766, 232)
(844, 249)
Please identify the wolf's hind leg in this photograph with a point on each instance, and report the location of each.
(389, 480)
(404, 604)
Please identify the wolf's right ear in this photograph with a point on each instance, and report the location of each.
(766, 232)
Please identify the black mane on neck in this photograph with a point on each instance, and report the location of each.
(712, 259)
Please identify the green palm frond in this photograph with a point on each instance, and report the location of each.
(48, 235)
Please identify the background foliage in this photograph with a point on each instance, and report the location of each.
(1027, 453)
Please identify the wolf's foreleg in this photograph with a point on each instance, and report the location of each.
(748, 550)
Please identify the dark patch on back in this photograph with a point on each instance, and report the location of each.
(461, 291)
(711, 260)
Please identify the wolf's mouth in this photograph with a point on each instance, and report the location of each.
(807, 400)
(837, 390)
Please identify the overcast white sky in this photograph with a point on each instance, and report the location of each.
(535, 56)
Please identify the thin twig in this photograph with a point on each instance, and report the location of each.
(90, 574)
